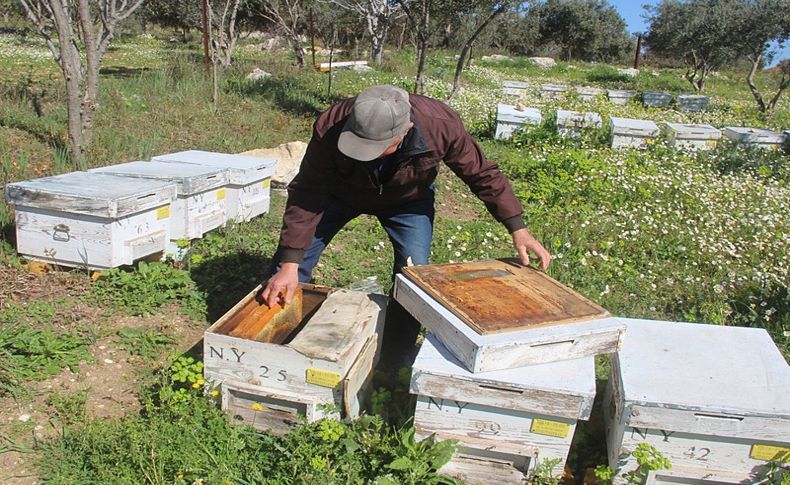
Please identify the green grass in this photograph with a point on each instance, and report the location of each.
(662, 234)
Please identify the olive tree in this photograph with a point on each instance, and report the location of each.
(78, 34)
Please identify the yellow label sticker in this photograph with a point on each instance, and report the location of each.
(710, 143)
(550, 428)
(266, 183)
(770, 453)
(220, 194)
(322, 378)
(163, 213)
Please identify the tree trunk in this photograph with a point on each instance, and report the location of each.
(766, 109)
(296, 45)
(466, 51)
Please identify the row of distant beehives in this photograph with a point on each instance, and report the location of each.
(111, 216)
(685, 102)
(628, 132)
(507, 369)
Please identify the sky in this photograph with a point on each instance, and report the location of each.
(632, 12)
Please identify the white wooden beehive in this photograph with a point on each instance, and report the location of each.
(91, 220)
(620, 96)
(200, 205)
(327, 358)
(712, 399)
(515, 88)
(699, 137)
(755, 137)
(588, 93)
(632, 133)
(510, 118)
(249, 180)
(536, 336)
(552, 91)
(523, 416)
(573, 123)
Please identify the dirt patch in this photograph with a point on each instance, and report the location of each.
(454, 200)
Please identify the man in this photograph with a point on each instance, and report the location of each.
(379, 154)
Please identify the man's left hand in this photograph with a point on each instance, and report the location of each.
(526, 244)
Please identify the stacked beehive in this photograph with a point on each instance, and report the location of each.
(507, 369)
(312, 358)
(711, 399)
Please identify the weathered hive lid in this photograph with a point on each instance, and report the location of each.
(627, 126)
(242, 169)
(691, 97)
(511, 114)
(515, 84)
(190, 179)
(530, 388)
(589, 90)
(694, 132)
(693, 366)
(332, 332)
(94, 194)
(620, 93)
(752, 135)
(494, 296)
(559, 88)
(578, 118)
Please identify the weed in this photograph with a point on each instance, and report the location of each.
(544, 473)
(648, 459)
(776, 473)
(144, 342)
(147, 288)
(69, 408)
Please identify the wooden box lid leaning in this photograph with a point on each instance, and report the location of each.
(190, 179)
(242, 169)
(497, 314)
(92, 194)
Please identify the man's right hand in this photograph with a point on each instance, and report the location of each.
(284, 282)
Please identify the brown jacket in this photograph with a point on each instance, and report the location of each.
(438, 134)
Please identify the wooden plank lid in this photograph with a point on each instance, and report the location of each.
(493, 296)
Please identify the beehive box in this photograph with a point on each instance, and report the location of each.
(632, 133)
(552, 91)
(495, 315)
(91, 220)
(712, 399)
(656, 99)
(515, 88)
(321, 349)
(587, 93)
(692, 102)
(572, 123)
(249, 180)
(755, 137)
(522, 416)
(699, 137)
(200, 204)
(510, 118)
(620, 96)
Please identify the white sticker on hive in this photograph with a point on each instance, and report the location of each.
(322, 378)
(550, 428)
(163, 213)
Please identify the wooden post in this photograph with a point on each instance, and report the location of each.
(312, 35)
(204, 18)
(638, 48)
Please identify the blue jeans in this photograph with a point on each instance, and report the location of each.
(409, 227)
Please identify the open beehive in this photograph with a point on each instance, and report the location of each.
(275, 364)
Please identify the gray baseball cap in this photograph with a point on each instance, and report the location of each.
(380, 114)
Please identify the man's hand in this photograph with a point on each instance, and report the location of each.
(284, 281)
(525, 243)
